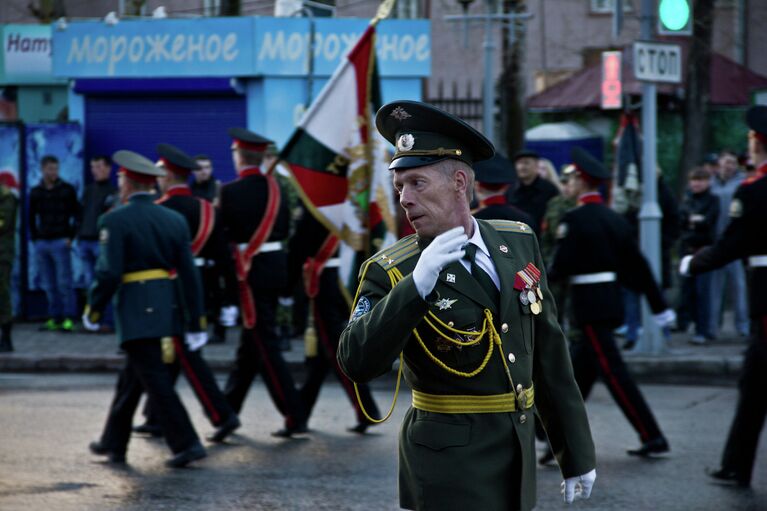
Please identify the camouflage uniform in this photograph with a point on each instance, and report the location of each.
(555, 210)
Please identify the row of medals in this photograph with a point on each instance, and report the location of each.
(533, 297)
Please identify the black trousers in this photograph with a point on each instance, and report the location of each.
(331, 312)
(145, 371)
(596, 355)
(214, 404)
(259, 352)
(740, 450)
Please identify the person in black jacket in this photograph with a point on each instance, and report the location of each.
(533, 192)
(492, 180)
(698, 215)
(256, 220)
(98, 198)
(744, 239)
(597, 254)
(54, 212)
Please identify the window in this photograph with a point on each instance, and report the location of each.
(211, 7)
(406, 9)
(608, 6)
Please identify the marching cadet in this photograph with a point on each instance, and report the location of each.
(597, 254)
(492, 179)
(465, 304)
(209, 250)
(146, 264)
(741, 240)
(313, 255)
(257, 221)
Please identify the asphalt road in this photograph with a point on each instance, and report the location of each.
(47, 420)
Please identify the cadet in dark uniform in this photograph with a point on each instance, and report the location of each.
(597, 254)
(480, 358)
(146, 264)
(492, 179)
(533, 192)
(313, 257)
(257, 221)
(209, 249)
(744, 239)
(9, 205)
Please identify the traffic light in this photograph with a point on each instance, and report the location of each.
(675, 17)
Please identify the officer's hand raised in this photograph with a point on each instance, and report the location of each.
(445, 249)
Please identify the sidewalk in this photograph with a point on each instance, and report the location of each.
(718, 363)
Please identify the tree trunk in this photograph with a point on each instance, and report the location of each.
(697, 92)
(511, 86)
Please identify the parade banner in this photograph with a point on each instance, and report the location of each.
(338, 160)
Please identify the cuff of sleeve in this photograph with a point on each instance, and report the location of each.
(92, 315)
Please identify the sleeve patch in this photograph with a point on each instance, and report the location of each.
(362, 308)
(736, 208)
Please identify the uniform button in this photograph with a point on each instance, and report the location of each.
(519, 387)
(149, 310)
(505, 328)
(523, 418)
(450, 323)
(512, 358)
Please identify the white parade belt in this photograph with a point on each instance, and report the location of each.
(758, 261)
(594, 278)
(269, 246)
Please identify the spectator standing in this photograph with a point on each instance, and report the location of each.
(53, 215)
(98, 198)
(9, 205)
(727, 178)
(698, 216)
(533, 192)
(204, 185)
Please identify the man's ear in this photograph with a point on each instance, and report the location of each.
(461, 181)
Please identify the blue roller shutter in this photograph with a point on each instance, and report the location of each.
(195, 123)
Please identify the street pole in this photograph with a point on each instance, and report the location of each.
(488, 88)
(652, 339)
(488, 97)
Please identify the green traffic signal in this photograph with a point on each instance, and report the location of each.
(674, 14)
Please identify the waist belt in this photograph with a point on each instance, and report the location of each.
(496, 403)
(139, 276)
(759, 261)
(333, 263)
(269, 246)
(594, 278)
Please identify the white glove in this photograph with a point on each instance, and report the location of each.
(443, 250)
(574, 488)
(196, 340)
(91, 327)
(684, 266)
(665, 318)
(285, 301)
(228, 315)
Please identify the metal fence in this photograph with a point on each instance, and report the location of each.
(460, 101)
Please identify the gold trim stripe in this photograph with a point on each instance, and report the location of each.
(138, 276)
(496, 403)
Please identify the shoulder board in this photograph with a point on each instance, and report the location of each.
(398, 252)
(510, 226)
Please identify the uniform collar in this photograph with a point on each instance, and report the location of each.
(251, 171)
(178, 190)
(761, 170)
(590, 198)
(477, 240)
(494, 200)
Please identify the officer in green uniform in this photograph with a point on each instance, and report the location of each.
(146, 264)
(9, 205)
(466, 304)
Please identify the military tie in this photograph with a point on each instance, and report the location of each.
(481, 275)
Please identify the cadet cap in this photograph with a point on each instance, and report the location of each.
(587, 165)
(175, 160)
(497, 170)
(423, 134)
(756, 118)
(526, 153)
(245, 139)
(136, 167)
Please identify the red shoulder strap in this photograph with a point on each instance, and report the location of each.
(207, 220)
